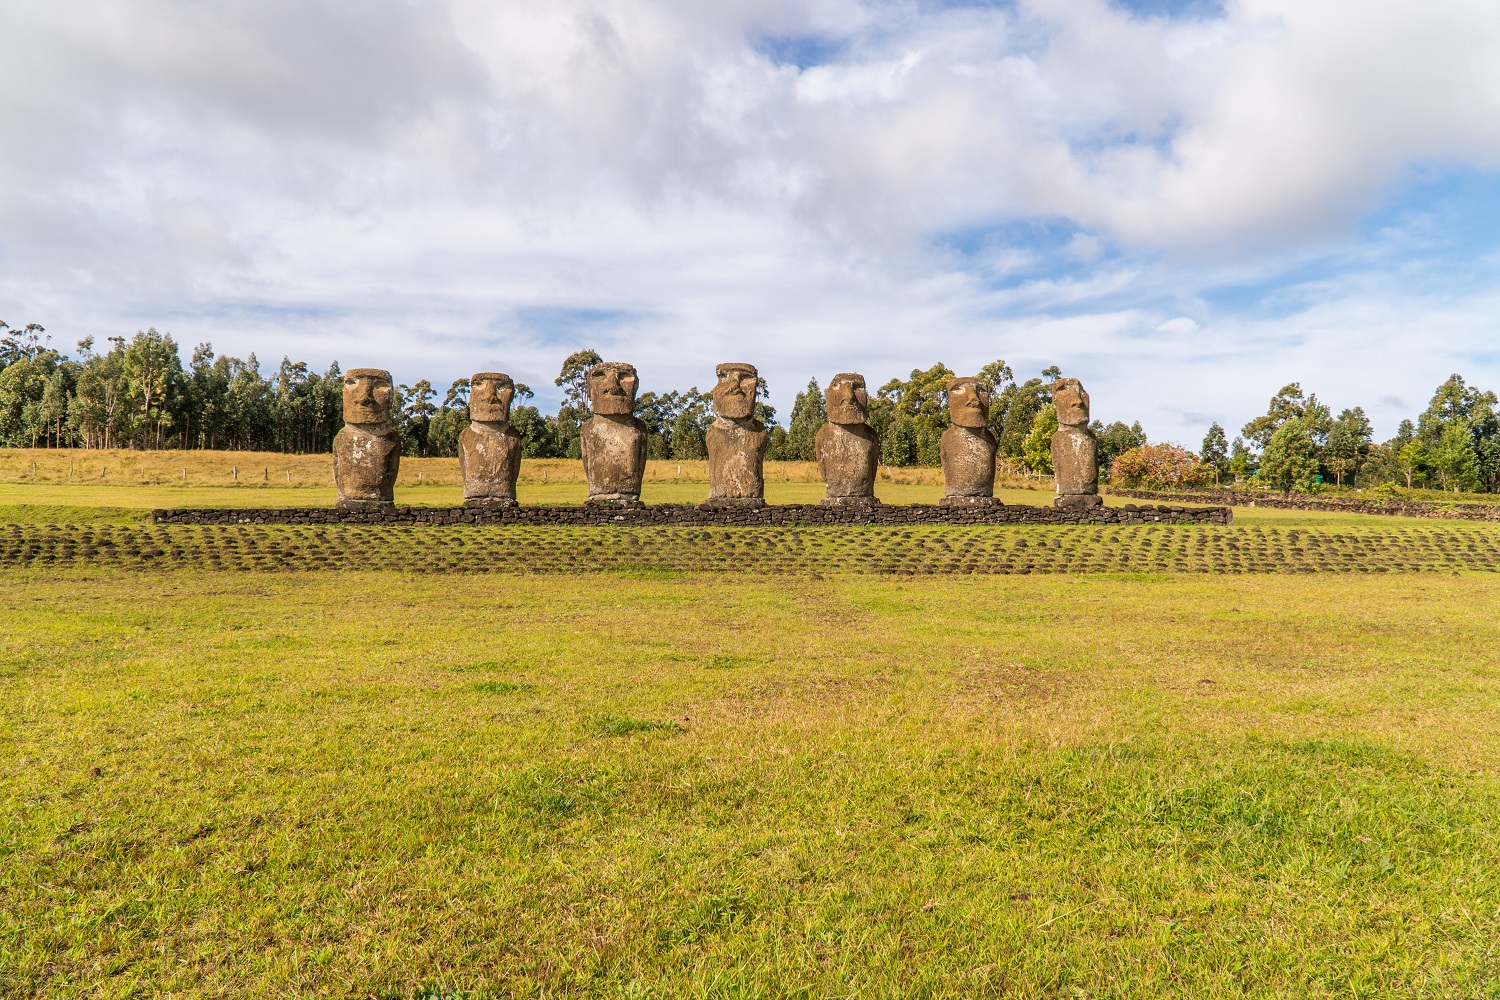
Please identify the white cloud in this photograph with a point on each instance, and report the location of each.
(418, 181)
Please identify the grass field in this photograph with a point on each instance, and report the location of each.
(1253, 761)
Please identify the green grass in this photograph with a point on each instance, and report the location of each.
(1261, 760)
(1177, 785)
(623, 725)
(502, 687)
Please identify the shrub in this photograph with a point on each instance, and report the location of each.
(1037, 448)
(1290, 460)
(1159, 467)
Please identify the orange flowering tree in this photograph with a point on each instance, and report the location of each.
(1159, 467)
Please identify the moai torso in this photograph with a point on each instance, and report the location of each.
(489, 456)
(366, 459)
(1075, 461)
(1075, 450)
(736, 459)
(968, 455)
(848, 455)
(614, 456)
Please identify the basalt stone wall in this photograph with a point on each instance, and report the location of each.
(684, 514)
(1350, 505)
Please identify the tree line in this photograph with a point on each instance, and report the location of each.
(139, 394)
(1298, 443)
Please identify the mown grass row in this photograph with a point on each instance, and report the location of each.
(985, 550)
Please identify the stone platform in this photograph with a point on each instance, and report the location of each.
(654, 515)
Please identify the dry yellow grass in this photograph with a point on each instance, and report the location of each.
(224, 469)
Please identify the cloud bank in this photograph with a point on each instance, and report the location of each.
(1186, 209)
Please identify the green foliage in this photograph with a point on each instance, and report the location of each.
(915, 413)
(1341, 453)
(998, 375)
(809, 412)
(1215, 450)
(1454, 457)
(1348, 445)
(1014, 411)
(1037, 447)
(1290, 459)
(571, 379)
(443, 431)
(1241, 461)
(922, 396)
(777, 443)
(1114, 441)
(687, 433)
(35, 382)
(535, 431)
(1289, 403)
(414, 415)
(898, 441)
(929, 446)
(1413, 461)
(1452, 463)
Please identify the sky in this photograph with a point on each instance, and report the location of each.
(1184, 204)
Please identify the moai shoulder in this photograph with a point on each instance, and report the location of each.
(367, 450)
(736, 440)
(967, 447)
(1075, 449)
(848, 451)
(489, 449)
(613, 440)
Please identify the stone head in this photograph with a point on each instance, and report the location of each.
(367, 396)
(490, 394)
(847, 398)
(969, 402)
(611, 386)
(734, 395)
(1071, 401)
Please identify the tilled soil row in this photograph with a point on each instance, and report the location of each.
(1385, 507)
(651, 551)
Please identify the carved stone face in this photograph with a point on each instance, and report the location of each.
(611, 387)
(734, 396)
(1071, 401)
(847, 399)
(490, 394)
(367, 396)
(968, 402)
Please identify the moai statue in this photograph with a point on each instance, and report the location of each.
(1075, 450)
(367, 451)
(848, 450)
(613, 439)
(968, 447)
(489, 449)
(736, 440)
